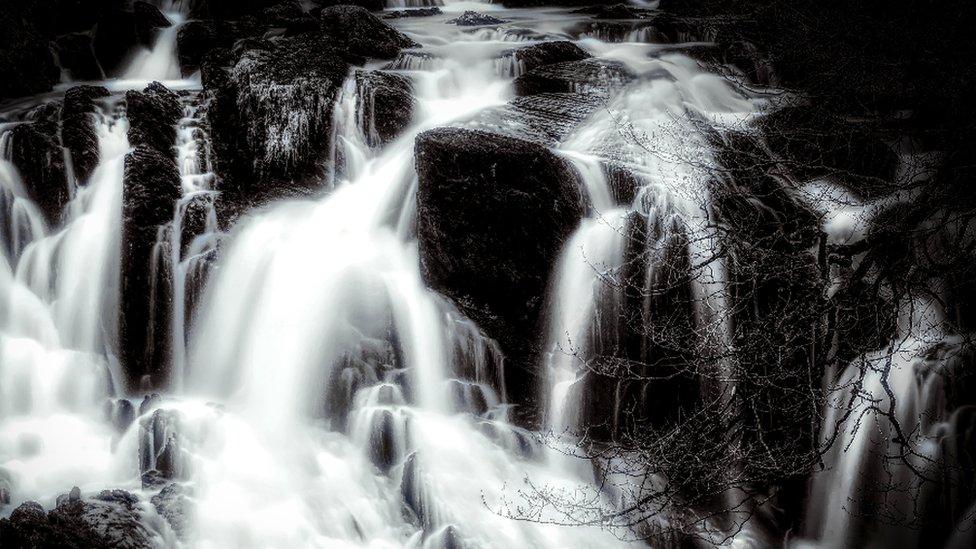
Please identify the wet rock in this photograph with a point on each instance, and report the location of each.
(150, 402)
(173, 503)
(387, 104)
(26, 62)
(148, 19)
(371, 5)
(475, 19)
(383, 441)
(161, 454)
(36, 151)
(547, 53)
(120, 413)
(546, 118)
(6, 486)
(615, 11)
(151, 187)
(111, 520)
(416, 12)
(594, 76)
(78, 130)
(194, 40)
(153, 115)
(76, 55)
(447, 537)
(270, 116)
(362, 33)
(492, 215)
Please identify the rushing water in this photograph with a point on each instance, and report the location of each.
(322, 395)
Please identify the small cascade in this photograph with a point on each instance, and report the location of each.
(160, 62)
(186, 247)
(20, 220)
(58, 300)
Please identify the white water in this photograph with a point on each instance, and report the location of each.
(324, 385)
(56, 336)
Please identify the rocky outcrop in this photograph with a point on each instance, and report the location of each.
(271, 103)
(362, 33)
(78, 130)
(386, 103)
(371, 5)
(161, 454)
(475, 19)
(595, 76)
(148, 19)
(415, 12)
(112, 519)
(26, 62)
(151, 187)
(547, 53)
(35, 148)
(492, 215)
(173, 503)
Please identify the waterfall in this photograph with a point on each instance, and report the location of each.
(160, 62)
(56, 337)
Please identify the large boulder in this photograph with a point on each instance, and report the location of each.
(475, 19)
(35, 149)
(493, 213)
(151, 187)
(78, 129)
(174, 504)
(26, 62)
(584, 76)
(371, 5)
(153, 114)
(112, 519)
(547, 53)
(148, 19)
(362, 33)
(386, 103)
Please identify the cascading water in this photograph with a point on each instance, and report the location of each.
(322, 396)
(56, 339)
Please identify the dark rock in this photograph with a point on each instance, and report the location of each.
(121, 413)
(383, 441)
(116, 36)
(492, 215)
(112, 520)
(447, 537)
(78, 130)
(593, 76)
(173, 503)
(149, 403)
(36, 151)
(362, 33)
(615, 11)
(547, 53)
(415, 12)
(153, 116)
(371, 5)
(283, 11)
(475, 19)
(148, 19)
(386, 103)
(151, 187)
(6, 486)
(161, 446)
(546, 118)
(76, 55)
(26, 62)
(270, 116)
